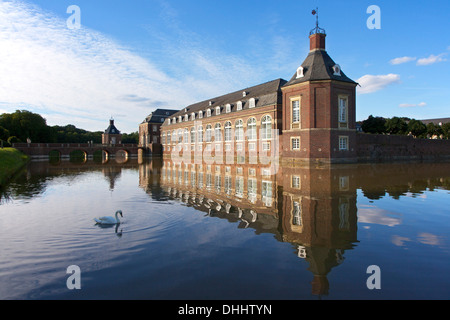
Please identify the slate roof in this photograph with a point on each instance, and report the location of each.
(436, 121)
(158, 115)
(318, 65)
(268, 93)
(112, 128)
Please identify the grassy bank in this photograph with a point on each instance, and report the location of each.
(11, 160)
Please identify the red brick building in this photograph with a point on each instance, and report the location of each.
(309, 118)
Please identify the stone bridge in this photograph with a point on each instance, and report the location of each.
(43, 150)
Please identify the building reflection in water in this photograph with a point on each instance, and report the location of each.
(314, 209)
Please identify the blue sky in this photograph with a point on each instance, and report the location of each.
(130, 57)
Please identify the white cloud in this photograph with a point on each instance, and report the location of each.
(431, 60)
(401, 60)
(372, 83)
(407, 105)
(83, 77)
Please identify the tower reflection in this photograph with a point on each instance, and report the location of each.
(314, 209)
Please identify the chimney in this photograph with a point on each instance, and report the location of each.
(317, 41)
(111, 122)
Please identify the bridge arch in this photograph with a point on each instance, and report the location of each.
(122, 156)
(78, 155)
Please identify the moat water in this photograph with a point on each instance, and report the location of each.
(226, 232)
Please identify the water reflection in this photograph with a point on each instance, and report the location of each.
(313, 208)
(318, 212)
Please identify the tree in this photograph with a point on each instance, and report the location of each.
(446, 130)
(417, 128)
(396, 125)
(374, 125)
(25, 124)
(130, 138)
(434, 130)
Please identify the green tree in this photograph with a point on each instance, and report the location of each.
(446, 130)
(4, 135)
(130, 138)
(396, 125)
(25, 124)
(374, 125)
(417, 128)
(433, 129)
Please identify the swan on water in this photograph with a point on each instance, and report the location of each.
(110, 220)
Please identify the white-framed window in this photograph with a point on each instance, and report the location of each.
(295, 143)
(168, 121)
(180, 136)
(228, 131)
(208, 133)
(217, 111)
(186, 135)
(228, 147)
(193, 116)
(252, 146)
(295, 110)
(239, 130)
(208, 113)
(163, 142)
(343, 143)
(239, 147)
(193, 135)
(186, 118)
(297, 213)
(343, 111)
(200, 114)
(174, 120)
(300, 72)
(169, 138)
(295, 182)
(180, 119)
(228, 108)
(218, 132)
(266, 146)
(239, 106)
(252, 103)
(251, 129)
(266, 127)
(200, 134)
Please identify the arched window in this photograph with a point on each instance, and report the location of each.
(193, 135)
(239, 130)
(208, 133)
(266, 127)
(200, 134)
(251, 129)
(239, 106)
(228, 131)
(180, 136)
(218, 132)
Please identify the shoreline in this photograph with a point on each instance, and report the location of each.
(11, 162)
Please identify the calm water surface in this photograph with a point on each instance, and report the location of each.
(226, 232)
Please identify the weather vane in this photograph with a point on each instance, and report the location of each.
(317, 29)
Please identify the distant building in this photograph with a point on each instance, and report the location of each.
(438, 122)
(112, 135)
(149, 130)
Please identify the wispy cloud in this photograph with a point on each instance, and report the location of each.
(401, 60)
(408, 105)
(431, 59)
(372, 83)
(83, 77)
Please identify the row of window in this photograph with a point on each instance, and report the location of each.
(196, 135)
(209, 112)
(343, 143)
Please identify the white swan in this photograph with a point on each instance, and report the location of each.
(110, 220)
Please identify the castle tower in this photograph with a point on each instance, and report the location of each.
(112, 135)
(319, 115)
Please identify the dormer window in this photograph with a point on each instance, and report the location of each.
(217, 111)
(208, 113)
(252, 103)
(300, 72)
(211, 103)
(193, 116)
(336, 70)
(228, 108)
(180, 119)
(200, 114)
(186, 118)
(239, 106)
(244, 94)
(168, 121)
(174, 120)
